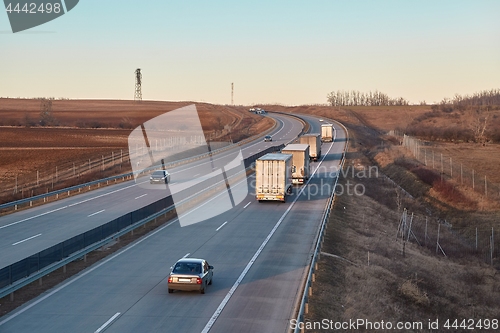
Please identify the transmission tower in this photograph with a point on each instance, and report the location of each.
(232, 93)
(138, 83)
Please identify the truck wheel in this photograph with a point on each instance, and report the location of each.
(170, 291)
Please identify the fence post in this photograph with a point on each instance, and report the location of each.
(425, 237)
(476, 239)
(461, 174)
(437, 241)
(485, 187)
(442, 167)
(451, 168)
(492, 244)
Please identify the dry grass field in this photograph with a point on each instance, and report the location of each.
(104, 113)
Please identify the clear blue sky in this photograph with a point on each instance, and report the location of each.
(290, 52)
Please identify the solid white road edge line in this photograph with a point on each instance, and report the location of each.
(27, 239)
(107, 323)
(230, 293)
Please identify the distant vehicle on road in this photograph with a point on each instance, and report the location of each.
(190, 274)
(321, 120)
(268, 138)
(159, 177)
(327, 132)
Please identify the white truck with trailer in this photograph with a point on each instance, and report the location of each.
(314, 142)
(273, 177)
(327, 132)
(300, 161)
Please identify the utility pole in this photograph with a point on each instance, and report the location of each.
(138, 85)
(232, 93)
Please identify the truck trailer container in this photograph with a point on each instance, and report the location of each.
(300, 161)
(314, 142)
(273, 177)
(327, 132)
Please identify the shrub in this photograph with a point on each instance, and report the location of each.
(451, 194)
(426, 175)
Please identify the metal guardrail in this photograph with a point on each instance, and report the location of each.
(31, 269)
(56, 193)
(303, 309)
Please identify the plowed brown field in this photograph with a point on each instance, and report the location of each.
(90, 129)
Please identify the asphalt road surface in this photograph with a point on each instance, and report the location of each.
(260, 252)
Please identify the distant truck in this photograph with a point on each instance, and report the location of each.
(300, 161)
(314, 142)
(327, 132)
(273, 177)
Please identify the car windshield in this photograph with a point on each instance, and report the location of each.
(158, 173)
(187, 268)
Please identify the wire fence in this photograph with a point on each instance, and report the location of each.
(431, 157)
(64, 174)
(441, 237)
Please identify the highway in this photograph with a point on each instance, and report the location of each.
(29, 231)
(260, 253)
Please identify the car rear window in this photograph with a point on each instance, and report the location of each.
(158, 173)
(187, 268)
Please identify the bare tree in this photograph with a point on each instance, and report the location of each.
(46, 116)
(355, 98)
(479, 125)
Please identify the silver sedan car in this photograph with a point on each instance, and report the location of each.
(159, 177)
(190, 274)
